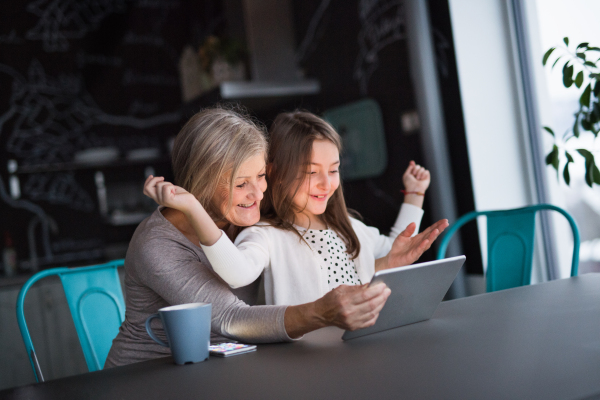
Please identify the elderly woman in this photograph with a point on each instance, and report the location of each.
(219, 156)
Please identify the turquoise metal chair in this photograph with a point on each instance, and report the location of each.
(95, 299)
(510, 237)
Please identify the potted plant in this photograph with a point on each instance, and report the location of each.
(581, 71)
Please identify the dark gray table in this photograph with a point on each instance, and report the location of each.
(535, 342)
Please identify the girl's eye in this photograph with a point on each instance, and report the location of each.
(262, 176)
(334, 171)
(242, 185)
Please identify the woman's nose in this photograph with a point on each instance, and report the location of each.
(256, 193)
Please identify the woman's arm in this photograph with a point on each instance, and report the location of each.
(237, 267)
(347, 307)
(178, 277)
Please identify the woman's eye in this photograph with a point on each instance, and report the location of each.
(262, 176)
(334, 171)
(242, 185)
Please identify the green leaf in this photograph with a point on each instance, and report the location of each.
(597, 89)
(547, 55)
(596, 112)
(566, 40)
(568, 75)
(589, 64)
(586, 125)
(596, 177)
(549, 130)
(576, 125)
(569, 157)
(592, 175)
(581, 55)
(555, 61)
(552, 159)
(566, 175)
(580, 45)
(579, 79)
(584, 100)
(593, 49)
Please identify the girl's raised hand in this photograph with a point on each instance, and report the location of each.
(169, 195)
(406, 249)
(416, 178)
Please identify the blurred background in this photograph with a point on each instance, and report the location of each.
(92, 93)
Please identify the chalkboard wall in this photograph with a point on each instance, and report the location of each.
(87, 76)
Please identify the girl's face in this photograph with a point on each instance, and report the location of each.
(248, 188)
(321, 182)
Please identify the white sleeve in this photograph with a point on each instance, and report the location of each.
(240, 264)
(408, 213)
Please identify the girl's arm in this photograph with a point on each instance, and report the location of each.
(416, 181)
(237, 268)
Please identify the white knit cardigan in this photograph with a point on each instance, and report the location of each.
(292, 271)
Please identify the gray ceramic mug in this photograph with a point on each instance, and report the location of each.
(188, 331)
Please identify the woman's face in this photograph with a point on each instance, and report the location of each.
(248, 188)
(322, 180)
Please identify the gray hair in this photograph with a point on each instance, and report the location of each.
(214, 143)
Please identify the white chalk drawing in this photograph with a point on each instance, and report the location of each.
(59, 189)
(141, 108)
(314, 32)
(64, 20)
(158, 4)
(131, 78)
(382, 23)
(82, 59)
(11, 38)
(52, 117)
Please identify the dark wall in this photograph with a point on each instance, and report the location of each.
(76, 75)
(88, 74)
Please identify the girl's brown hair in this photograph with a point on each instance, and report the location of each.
(209, 150)
(291, 140)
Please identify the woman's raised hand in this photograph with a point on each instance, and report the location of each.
(407, 249)
(169, 195)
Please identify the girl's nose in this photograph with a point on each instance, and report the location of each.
(324, 182)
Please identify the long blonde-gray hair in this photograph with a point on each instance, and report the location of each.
(209, 150)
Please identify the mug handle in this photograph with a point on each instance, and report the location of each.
(151, 333)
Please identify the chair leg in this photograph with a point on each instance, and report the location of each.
(36, 365)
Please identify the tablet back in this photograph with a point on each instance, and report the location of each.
(416, 292)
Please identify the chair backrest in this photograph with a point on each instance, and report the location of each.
(96, 302)
(510, 240)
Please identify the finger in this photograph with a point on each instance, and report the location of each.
(367, 310)
(410, 229)
(150, 185)
(367, 293)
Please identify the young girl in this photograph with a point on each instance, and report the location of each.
(306, 244)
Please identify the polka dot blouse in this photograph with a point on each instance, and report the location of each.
(331, 251)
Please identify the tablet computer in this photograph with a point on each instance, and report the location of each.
(417, 290)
